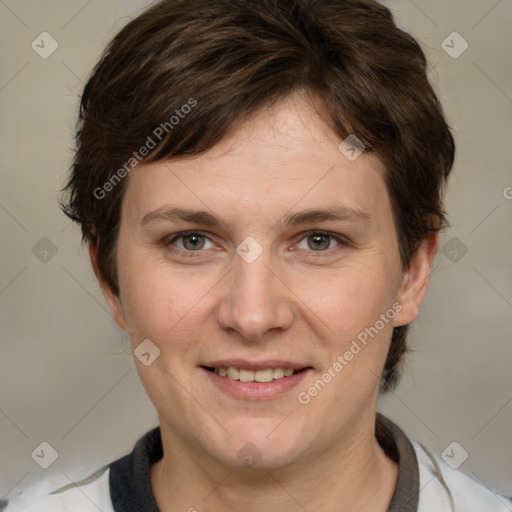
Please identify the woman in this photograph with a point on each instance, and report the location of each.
(260, 188)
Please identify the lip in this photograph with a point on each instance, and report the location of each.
(256, 390)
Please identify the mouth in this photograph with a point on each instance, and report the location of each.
(246, 375)
(261, 381)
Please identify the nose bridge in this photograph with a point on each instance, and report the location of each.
(255, 301)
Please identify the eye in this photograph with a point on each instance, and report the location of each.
(320, 242)
(189, 242)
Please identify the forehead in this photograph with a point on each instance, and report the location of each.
(282, 157)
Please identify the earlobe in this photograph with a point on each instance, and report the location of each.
(416, 280)
(113, 301)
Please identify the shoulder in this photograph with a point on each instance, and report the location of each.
(446, 489)
(88, 495)
(121, 485)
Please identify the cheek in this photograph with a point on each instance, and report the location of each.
(163, 305)
(145, 308)
(347, 301)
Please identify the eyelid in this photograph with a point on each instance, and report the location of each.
(169, 240)
(342, 240)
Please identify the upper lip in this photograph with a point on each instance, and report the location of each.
(256, 365)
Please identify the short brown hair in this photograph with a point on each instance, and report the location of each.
(235, 57)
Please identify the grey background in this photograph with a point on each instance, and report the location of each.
(66, 373)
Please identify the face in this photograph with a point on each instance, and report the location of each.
(270, 252)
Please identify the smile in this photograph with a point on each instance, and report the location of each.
(260, 384)
(244, 375)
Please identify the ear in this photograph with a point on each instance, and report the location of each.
(113, 301)
(416, 279)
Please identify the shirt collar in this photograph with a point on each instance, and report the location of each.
(130, 476)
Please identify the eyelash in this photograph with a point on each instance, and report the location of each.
(341, 241)
(169, 241)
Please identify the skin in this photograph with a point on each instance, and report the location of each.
(293, 302)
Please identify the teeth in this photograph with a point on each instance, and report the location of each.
(278, 373)
(233, 373)
(245, 375)
(266, 375)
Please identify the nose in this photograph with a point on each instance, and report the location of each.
(255, 301)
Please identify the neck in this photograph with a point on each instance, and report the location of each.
(353, 475)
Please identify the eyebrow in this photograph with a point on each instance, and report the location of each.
(339, 213)
(343, 213)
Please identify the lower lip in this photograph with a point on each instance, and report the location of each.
(256, 390)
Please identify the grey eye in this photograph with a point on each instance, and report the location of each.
(193, 242)
(319, 242)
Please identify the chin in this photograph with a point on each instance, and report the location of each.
(260, 444)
